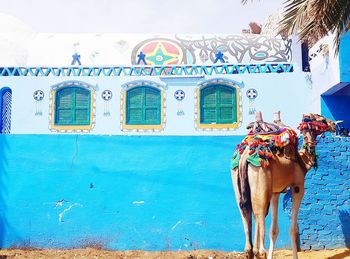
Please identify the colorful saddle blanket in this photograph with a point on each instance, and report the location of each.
(263, 147)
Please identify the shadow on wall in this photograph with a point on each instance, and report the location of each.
(3, 190)
(344, 217)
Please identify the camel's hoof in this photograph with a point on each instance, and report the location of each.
(249, 254)
(262, 255)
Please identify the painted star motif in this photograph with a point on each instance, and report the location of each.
(160, 56)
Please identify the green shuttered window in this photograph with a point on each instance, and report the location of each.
(72, 106)
(143, 106)
(218, 105)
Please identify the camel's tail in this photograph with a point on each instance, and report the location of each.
(245, 202)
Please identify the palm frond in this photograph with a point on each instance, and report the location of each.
(315, 18)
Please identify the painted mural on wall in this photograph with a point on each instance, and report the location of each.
(201, 79)
(158, 52)
(56, 50)
(204, 49)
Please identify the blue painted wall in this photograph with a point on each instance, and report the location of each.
(344, 56)
(324, 216)
(118, 192)
(335, 107)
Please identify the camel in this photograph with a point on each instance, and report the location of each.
(258, 187)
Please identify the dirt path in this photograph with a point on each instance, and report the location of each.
(200, 254)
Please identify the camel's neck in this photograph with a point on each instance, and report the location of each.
(308, 154)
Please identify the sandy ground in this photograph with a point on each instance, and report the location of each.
(200, 254)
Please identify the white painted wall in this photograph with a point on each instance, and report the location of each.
(287, 92)
(325, 71)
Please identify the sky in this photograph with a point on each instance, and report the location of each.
(139, 16)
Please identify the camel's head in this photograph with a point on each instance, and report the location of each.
(316, 124)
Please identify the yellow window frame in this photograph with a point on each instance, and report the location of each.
(71, 127)
(143, 127)
(234, 125)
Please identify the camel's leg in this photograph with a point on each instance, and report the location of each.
(261, 191)
(261, 225)
(298, 193)
(256, 238)
(247, 222)
(274, 224)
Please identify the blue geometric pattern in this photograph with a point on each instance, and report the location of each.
(177, 70)
(6, 104)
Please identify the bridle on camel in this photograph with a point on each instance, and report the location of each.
(317, 128)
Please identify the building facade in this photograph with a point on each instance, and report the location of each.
(125, 141)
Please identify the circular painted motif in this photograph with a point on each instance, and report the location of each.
(179, 95)
(252, 93)
(159, 52)
(38, 95)
(106, 95)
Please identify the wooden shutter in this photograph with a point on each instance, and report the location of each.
(82, 107)
(152, 106)
(72, 106)
(226, 105)
(143, 106)
(64, 107)
(208, 105)
(218, 105)
(134, 106)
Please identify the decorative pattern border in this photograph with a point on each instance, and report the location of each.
(212, 127)
(142, 128)
(177, 70)
(72, 128)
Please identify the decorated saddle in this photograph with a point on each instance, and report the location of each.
(266, 146)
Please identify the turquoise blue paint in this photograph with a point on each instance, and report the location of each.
(324, 216)
(344, 57)
(150, 193)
